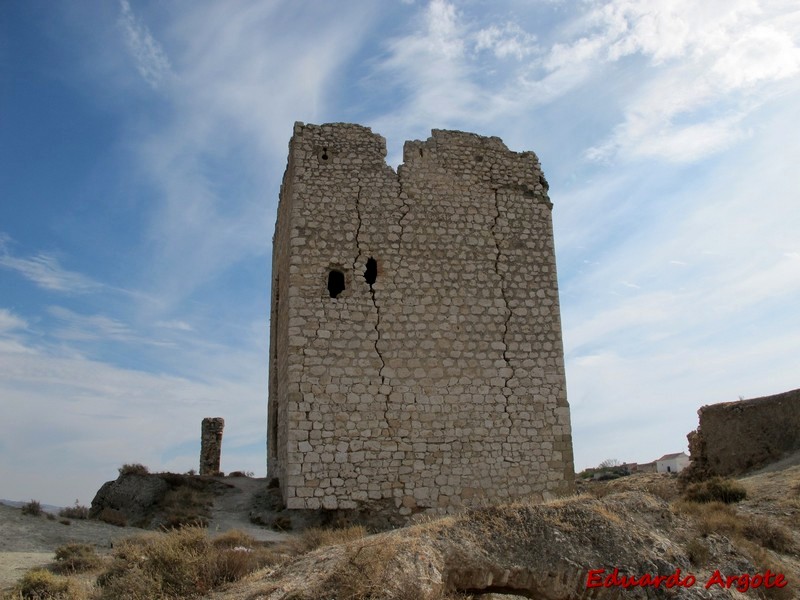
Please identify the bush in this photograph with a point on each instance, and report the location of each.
(715, 489)
(113, 517)
(698, 552)
(131, 583)
(234, 538)
(76, 558)
(185, 506)
(769, 535)
(41, 584)
(133, 469)
(32, 508)
(75, 512)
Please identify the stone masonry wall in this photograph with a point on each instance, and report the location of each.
(734, 437)
(211, 445)
(435, 379)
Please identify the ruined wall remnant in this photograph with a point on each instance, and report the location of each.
(734, 437)
(416, 360)
(211, 445)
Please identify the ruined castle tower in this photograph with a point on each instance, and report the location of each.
(211, 445)
(416, 360)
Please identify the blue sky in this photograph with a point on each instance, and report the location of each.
(142, 146)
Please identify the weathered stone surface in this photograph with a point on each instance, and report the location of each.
(544, 551)
(133, 495)
(211, 445)
(416, 355)
(734, 437)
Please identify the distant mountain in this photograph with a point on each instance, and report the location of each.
(19, 504)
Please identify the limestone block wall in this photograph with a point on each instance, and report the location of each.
(416, 359)
(734, 437)
(211, 445)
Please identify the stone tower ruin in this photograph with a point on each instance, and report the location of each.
(416, 361)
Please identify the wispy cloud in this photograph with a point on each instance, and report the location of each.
(705, 64)
(44, 270)
(505, 41)
(150, 58)
(84, 418)
(9, 321)
(704, 71)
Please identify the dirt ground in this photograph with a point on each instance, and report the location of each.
(28, 542)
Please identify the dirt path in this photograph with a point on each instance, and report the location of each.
(27, 542)
(232, 508)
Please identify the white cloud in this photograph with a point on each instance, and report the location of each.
(241, 79)
(45, 271)
(9, 321)
(505, 41)
(151, 60)
(83, 418)
(178, 325)
(705, 61)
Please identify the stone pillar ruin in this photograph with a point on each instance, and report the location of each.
(211, 445)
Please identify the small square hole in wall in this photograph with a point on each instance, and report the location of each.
(335, 282)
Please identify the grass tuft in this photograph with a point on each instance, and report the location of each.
(715, 489)
(113, 517)
(76, 558)
(133, 469)
(40, 584)
(32, 508)
(74, 512)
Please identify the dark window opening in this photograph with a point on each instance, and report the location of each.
(335, 282)
(324, 155)
(371, 274)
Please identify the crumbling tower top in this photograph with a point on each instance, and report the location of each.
(416, 355)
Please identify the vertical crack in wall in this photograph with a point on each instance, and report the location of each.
(501, 277)
(371, 287)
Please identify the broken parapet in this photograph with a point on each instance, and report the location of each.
(211, 445)
(735, 437)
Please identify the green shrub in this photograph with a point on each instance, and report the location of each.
(32, 508)
(76, 558)
(715, 489)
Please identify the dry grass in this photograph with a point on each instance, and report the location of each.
(133, 469)
(769, 534)
(716, 517)
(698, 552)
(711, 517)
(76, 558)
(113, 517)
(183, 563)
(715, 489)
(40, 584)
(75, 512)
(763, 561)
(32, 508)
(186, 506)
